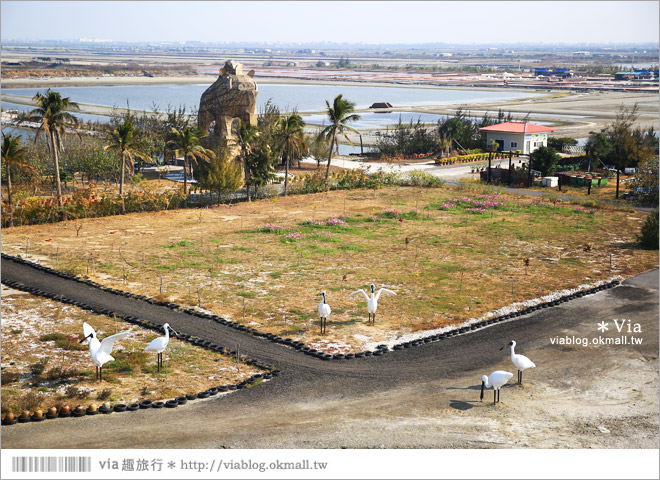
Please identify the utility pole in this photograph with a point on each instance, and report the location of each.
(490, 153)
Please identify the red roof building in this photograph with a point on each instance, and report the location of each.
(513, 136)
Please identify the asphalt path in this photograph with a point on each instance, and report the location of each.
(274, 414)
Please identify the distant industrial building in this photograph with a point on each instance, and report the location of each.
(636, 75)
(557, 72)
(512, 136)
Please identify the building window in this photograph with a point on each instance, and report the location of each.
(514, 144)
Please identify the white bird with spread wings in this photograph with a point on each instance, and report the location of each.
(100, 351)
(372, 302)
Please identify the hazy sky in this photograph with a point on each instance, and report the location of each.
(308, 21)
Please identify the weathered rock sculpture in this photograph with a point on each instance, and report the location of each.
(232, 96)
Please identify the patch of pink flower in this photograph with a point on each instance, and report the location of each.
(271, 227)
(330, 222)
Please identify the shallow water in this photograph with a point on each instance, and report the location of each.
(303, 98)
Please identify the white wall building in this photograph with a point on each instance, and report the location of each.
(512, 136)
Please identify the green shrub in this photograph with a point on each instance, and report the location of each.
(58, 373)
(9, 377)
(104, 394)
(420, 178)
(65, 342)
(38, 367)
(85, 203)
(648, 237)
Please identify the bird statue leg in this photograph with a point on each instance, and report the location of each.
(373, 318)
(101, 374)
(494, 397)
(498, 395)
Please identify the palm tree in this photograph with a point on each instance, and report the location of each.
(291, 141)
(13, 155)
(339, 115)
(245, 137)
(53, 119)
(122, 141)
(186, 142)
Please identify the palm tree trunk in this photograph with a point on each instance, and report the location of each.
(58, 184)
(185, 180)
(327, 170)
(9, 197)
(286, 174)
(121, 184)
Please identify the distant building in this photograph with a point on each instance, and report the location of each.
(512, 136)
(636, 75)
(381, 105)
(542, 72)
(548, 72)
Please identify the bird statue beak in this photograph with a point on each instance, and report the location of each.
(82, 340)
(503, 347)
(481, 398)
(174, 332)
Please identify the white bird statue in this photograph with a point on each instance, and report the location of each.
(521, 362)
(100, 351)
(159, 344)
(324, 311)
(372, 302)
(495, 381)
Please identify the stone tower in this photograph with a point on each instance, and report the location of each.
(232, 96)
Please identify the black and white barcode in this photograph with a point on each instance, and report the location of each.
(51, 464)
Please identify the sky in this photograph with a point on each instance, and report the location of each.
(370, 22)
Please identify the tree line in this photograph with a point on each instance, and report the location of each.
(458, 133)
(131, 140)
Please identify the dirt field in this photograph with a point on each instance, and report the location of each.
(264, 264)
(43, 364)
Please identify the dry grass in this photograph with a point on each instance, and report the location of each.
(605, 192)
(44, 365)
(453, 266)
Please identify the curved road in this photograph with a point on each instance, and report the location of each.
(397, 400)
